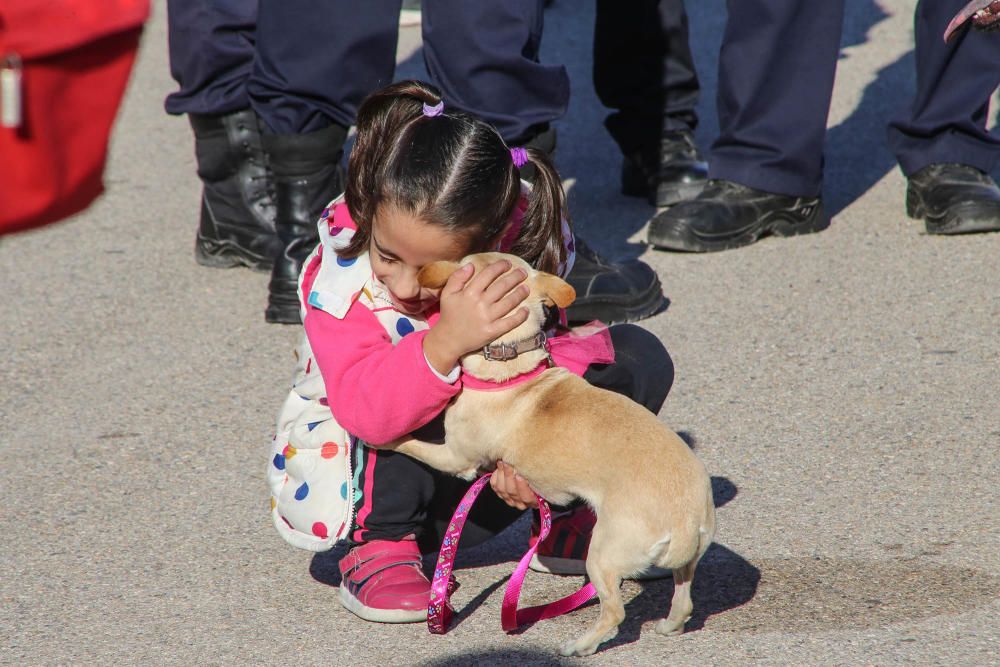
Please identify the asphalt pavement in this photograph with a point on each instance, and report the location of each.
(841, 388)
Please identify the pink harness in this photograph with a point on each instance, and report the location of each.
(439, 610)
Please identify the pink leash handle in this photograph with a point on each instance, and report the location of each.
(439, 609)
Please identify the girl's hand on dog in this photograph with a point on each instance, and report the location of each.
(475, 311)
(512, 488)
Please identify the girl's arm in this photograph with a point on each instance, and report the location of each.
(377, 391)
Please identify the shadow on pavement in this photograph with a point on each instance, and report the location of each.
(856, 150)
(723, 581)
(499, 657)
(723, 490)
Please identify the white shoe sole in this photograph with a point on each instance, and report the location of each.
(356, 607)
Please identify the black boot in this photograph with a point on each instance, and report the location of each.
(730, 215)
(673, 174)
(954, 199)
(307, 176)
(237, 200)
(610, 292)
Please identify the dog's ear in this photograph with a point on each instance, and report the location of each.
(554, 290)
(436, 274)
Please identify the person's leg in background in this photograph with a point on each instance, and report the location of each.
(315, 64)
(776, 70)
(484, 58)
(941, 140)
(644, 71)
(211, 54)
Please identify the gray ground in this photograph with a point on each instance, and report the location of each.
(841, 388)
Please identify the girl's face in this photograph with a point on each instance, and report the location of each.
(400, 246)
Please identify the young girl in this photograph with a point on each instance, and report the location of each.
(380, 356)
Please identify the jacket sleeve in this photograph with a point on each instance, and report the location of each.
(377, 391)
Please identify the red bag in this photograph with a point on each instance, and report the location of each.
(63, 69)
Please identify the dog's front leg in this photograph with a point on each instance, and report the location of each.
(438, 456)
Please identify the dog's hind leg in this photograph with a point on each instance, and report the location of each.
(606, 575)
(680, 606)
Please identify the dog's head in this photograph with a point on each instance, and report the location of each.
(546, 289)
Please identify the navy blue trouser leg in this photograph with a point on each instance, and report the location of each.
(776, 72)
(947, 119)
(643, 69)
(317, 61)
(311, 64)
(484, 58)
(211, 53)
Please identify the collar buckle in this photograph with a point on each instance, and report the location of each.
(509, 351)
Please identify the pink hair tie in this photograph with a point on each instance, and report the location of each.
(431, 111)
(519, 156)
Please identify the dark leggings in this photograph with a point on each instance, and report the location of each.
(396, 496)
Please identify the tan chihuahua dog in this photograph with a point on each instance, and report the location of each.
(568, 439)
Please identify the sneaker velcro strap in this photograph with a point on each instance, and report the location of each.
(374, 557)
(368, 569)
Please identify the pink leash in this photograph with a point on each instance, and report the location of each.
(439, 610)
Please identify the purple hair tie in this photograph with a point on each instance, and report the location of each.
(519, 156)
(431, 111)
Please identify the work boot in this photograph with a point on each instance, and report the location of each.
(307, 177)
(954, 199)
(670, 173)
(610, 292)
(237, 199)
(729, 215)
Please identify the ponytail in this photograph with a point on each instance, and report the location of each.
(540, 242)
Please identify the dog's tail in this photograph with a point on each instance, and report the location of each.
(706, 530)
(688, 545)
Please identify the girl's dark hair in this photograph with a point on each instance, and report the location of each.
(452, 170)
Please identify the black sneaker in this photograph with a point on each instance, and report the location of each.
(674, 175)
(729, 215)
(954, 199)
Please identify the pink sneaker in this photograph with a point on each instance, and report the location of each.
(382, 581)
(564, 551)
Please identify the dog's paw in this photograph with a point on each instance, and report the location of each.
(577, 648)
(669, 627)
